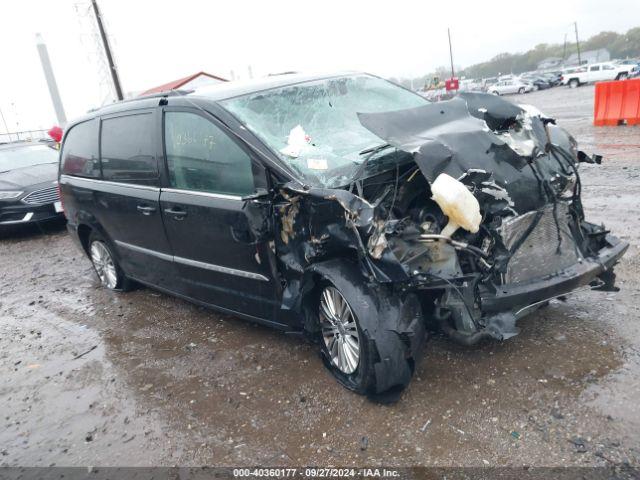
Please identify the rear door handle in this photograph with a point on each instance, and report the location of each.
(145, 209)
(176, 212)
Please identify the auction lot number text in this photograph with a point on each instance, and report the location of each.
(315, 472)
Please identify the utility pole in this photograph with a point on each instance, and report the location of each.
(51, 80)
(450, 53)
(564, 49)
(575, 25)
(107, 50)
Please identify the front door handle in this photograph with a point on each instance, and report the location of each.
(176, 212)
(145, 209)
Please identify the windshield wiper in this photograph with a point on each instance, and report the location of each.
(374, 149)
(370, 152)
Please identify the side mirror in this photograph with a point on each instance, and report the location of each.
(259, 194)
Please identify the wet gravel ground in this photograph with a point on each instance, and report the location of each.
(89, 377)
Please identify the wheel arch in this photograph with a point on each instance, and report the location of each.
(84, 232)
(392, 321)
(86, 225)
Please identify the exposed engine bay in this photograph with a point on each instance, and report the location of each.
(475, 209)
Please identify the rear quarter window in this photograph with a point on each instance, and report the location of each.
(80, 150)
(127, 149)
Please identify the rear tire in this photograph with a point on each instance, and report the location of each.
(495, 92)
(521, 90)
(622, 76)
(574, 83)
(106, 265)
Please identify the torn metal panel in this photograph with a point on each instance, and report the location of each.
(455, 137)
(288, 214)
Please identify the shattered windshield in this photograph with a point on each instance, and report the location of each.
(314, 126)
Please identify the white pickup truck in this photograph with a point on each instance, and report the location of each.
(595, 72)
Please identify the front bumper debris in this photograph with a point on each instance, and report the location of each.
(521, 295)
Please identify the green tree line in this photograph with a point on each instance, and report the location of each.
(620, 45)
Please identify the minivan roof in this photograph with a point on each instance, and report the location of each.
(223, 91)
(217, 92)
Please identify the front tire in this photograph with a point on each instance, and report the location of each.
(105, 264)
(340, 331)
(383, 332)
(344, 347)
(521, 90)
(622, 76)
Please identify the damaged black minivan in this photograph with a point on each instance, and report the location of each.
(344, 207)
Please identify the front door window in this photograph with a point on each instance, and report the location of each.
(201, 157)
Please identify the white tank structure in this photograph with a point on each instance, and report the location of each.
(51, 80)
(456, 202)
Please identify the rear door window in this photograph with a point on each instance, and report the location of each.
(80, 150)
(201, 157)
(127, 147)
(594, 68)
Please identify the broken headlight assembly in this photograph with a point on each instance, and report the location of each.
(569, 189)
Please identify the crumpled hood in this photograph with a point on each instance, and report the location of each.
(496, 145)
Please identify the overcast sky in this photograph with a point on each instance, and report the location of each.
(158, 41)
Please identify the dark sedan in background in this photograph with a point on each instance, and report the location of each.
(538, 82)
(28, 183)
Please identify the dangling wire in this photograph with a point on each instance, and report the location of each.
(395, 192)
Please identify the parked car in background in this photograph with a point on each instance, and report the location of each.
(569, 73)
(552, 77)
(506, 77)
(28, 183)
(488, 82)
(436, 94)
(471, 85)
(596, 72)
(505, 87)
(628, 61)
(538, 83)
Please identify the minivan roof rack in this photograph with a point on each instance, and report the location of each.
(168, 93)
